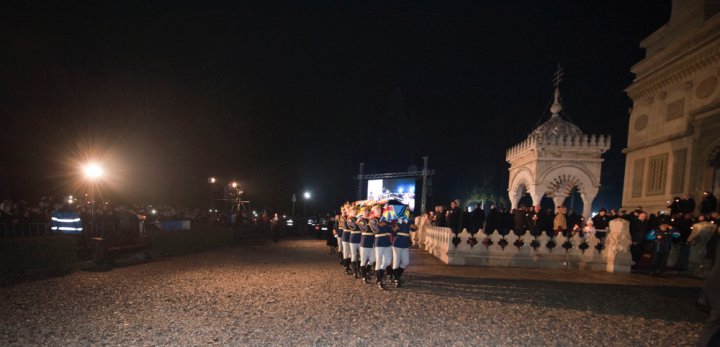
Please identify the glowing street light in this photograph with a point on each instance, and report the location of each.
(93, 171)
(307, 196)
(212, 180)
(234, 184)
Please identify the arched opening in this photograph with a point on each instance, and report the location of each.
(525, 200)
(547, 203)
(574, 206)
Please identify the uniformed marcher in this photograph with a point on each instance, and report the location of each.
(383, 252)
(345, 238)
(354, 244)
(367, 254)
(337, 233)
(401, 243)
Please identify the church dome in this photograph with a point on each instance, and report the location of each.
(556, 126)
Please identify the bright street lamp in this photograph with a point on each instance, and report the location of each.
(93, 171)
(306, 195)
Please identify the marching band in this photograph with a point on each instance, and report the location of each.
(374, 232)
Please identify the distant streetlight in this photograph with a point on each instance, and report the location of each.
(234, 184)
(212, 180)
(307, 196)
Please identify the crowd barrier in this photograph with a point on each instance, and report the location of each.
(611, 253)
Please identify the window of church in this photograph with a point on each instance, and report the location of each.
(657, 173)
(678, 171)
(638, 174)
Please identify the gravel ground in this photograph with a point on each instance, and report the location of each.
(293, 293)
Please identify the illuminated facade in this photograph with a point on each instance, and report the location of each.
(673, 144)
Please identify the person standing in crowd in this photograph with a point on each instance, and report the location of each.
(687, 204)
(675, 206)
(440, 219)
(560, 222)
(638, 230)
(589, 230)
(493, 220)
(477, 219)
(547, 222)
(709, 203)
(661, 241)
(710, 298)
(574, 223)
(601, 222)
(331, 239)
(519, 220)
(683, 224)
(453, 217)
(465, 222)
(506, 221)
(535, 221)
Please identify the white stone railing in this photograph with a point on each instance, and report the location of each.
(438, 242)
(591, 253)
(613, 255)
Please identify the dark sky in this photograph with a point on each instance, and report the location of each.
(287, 96)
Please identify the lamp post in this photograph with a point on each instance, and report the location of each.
(306, 197)
(294, 199)
(211, 181)
(93, 172)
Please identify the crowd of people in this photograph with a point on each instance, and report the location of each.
(658, 239)
(22, 218)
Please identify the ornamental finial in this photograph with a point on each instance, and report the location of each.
(557, 106)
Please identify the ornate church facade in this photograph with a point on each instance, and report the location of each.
(674, 128)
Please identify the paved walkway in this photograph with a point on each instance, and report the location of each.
(294, 294)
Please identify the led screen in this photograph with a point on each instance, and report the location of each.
(402, 189)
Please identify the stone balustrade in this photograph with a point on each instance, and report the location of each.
(611, 253)
(578, 142)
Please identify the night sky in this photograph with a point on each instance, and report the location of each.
(291, 96)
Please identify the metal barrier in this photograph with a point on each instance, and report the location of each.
(24, 229)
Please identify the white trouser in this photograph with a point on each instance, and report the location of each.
(354, 252)
(367, 256)
(346, 249)
(340, 246)
(383, 257)
(401, 257)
